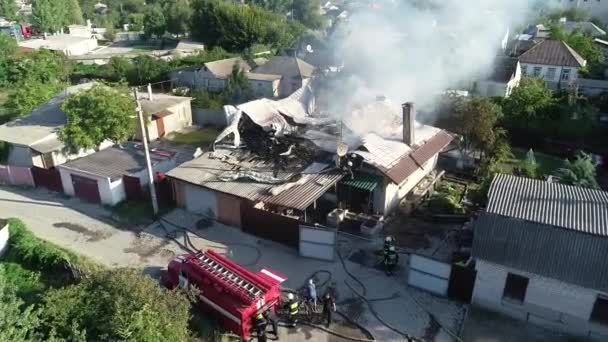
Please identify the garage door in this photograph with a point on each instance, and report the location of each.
(199, 200)
(86, 188)
(429, 274)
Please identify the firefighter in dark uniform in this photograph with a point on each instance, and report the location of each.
(329, 307)
(271, 317)
(391, 258)
(389, 242)
(292, 309)
(260, 327)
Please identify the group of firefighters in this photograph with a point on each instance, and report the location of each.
(292, 307)
(391, 259)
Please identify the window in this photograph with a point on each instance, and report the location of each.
(565, 74)
(550, 74)
(599, 314)
(524, 70)
(515, 288)
(537, 71)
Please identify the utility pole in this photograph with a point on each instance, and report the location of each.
(144, 138)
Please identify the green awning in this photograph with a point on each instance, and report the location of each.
(362, 181)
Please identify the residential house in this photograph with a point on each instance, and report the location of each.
(109, 175)
(66, 44)
(504, 78)
(582, 26)
(211, 76)
(596, 8)
(554, 61)
(165, 114)
(540, 254)
(33, 138)
(278, 77)
(294, 73)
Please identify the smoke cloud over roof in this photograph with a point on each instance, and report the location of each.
(414, 50)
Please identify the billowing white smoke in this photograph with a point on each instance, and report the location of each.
(411, 52)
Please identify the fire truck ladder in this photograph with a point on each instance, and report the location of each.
(230, 277)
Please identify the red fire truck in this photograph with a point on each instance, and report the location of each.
(228, 291)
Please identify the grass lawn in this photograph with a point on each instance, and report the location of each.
(203, 136)
(548, 164)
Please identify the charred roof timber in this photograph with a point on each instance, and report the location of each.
(409, 118)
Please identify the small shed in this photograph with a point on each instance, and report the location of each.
(103, 177)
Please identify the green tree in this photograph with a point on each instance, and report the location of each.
(277, 6)
(136, 22)
(49, 15)
(18, 321)
(43, 66)
(30, 94)
(238, 89)
(8, 9)
(119, 68)
(98, 114)
(236, 27)
(580, 172)
(118, 305)
(581, 42)
(475, 120)
(154, 21)
(8, 47)
(527, 102)
(529, 166)
(74, 13)
(179, 13)
(147, 69)
(307, 12)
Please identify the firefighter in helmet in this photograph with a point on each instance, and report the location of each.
(292, 309)
(391, 258)
(260, 327)
(389, 241)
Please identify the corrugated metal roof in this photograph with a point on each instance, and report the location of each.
(115, 162)
(555, 204)
(410, 163)
(207, 169)
(557, 253)
(363, 182)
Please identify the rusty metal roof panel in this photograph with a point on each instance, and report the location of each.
(302, 196)
(410, 163)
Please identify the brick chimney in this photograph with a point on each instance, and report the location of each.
(409, 117)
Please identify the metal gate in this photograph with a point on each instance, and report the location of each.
(429, 274)
(48, 178)
(270, 226)
(317, 242)
(462, 282)
(86, 188)
(133, 189)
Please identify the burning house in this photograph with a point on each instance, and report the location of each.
(280, 164)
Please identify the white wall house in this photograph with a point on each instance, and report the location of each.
(166, 114)
(539, 250)
(504, 78)
(554, 61)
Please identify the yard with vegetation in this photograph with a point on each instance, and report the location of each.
(50, 293)
(547, 164)
(199, 137)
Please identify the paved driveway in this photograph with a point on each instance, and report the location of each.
(90, 230)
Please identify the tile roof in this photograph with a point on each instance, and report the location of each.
(552, 52)
(562, 254)
(288, 67)
(504, 69)
(207, 171)
(116, 161)
(565, 206)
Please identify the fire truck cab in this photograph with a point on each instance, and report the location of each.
(230, 292)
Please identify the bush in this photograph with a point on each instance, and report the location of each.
(446, 199)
